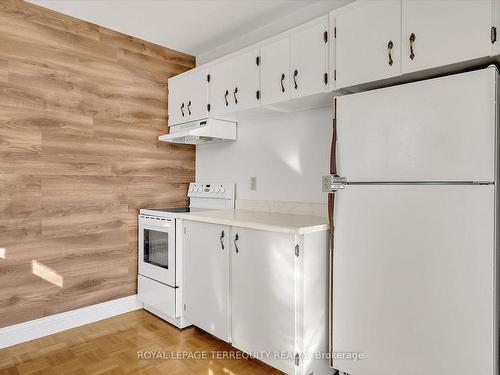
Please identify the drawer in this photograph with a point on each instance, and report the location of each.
(159, 296)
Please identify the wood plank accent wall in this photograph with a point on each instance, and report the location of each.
(81, 108)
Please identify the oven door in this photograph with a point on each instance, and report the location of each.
(157, 249)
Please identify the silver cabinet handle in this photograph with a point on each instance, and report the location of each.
(390, 46)
(189, 108)
(221, 242)
(182, 109)
(295, 74)
(234, 94)
(412, 41)
(236, 238)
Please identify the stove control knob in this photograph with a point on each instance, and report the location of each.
(211, 190)
(217, 190)
(222, 190)
(195, 189)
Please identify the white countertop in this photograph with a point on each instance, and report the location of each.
(270, 221)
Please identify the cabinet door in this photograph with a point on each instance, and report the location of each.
(206, 277)
(308, 59)
(444, 32)
(177, 94)
(245, 81)
(366, 30)
(197, 97)
(221, 81)
(275, 71)
(496, 28)
(263, 293)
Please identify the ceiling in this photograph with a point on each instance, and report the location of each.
(190, 26)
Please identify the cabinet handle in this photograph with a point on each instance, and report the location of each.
(225, 97)
(234, 94)
(295, 74)
(236, 238)
(182, 109)
(221, 237)
(390, 45)
(412, 40)
(189, 108)
(282, 80)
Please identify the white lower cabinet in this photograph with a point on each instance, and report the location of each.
(264, 292)
(206, 277)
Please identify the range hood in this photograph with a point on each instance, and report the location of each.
(200, 132)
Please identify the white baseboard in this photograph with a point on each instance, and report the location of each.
(49, 325)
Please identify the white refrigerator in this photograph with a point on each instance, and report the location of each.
(413, 286)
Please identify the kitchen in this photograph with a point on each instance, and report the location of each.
(295, 189)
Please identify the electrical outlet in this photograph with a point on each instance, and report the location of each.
(326, 184)
(253, 183)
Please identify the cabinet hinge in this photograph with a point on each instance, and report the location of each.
(325, 78)
(334, 32)
(297, 250)
(208, 107)
(493, 34)
(257, 94)
(297, 359)
(325, 36)
(257, 60)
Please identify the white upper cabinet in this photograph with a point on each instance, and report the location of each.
(234, 83)
(178, 91)
(442, 32)
(368, 42)
(187, 97)
(309, 58)
(275, 71)
(197, 99)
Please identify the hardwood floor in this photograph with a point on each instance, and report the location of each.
(113, 346)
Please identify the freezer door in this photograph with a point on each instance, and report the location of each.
(415, 292)
(441, 129)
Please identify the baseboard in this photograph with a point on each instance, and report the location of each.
(49, 325)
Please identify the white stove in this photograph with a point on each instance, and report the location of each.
(160, 249)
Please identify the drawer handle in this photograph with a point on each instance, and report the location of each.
(412, 40)
(225, 97)
(189, 108)
(221, 237)
(295, 74)
(234, 94)
(236, 238)
(390, 46)
(282, 80)
(182, 109)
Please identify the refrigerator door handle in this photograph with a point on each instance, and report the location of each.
(331, 206)
(333, 151)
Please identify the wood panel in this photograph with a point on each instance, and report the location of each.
(114, 346)
(81, 109)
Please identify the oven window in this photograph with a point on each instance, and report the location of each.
(156, 248)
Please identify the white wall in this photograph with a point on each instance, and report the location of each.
(288, 153)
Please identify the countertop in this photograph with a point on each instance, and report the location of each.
(261, 220)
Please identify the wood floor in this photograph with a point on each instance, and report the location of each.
(113, 346)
